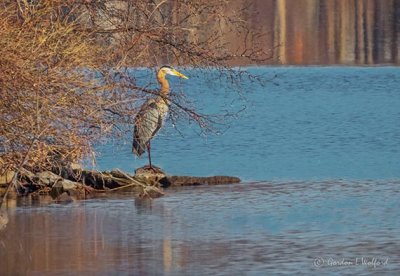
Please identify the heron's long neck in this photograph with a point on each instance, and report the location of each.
(164, 83)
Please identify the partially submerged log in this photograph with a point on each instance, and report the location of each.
(118, 180)
(156, 175)
(174, 181)
(103, 180)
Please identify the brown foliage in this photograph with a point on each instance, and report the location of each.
(47, 97)
(64, 78)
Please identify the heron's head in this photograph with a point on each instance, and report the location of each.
(168, 70)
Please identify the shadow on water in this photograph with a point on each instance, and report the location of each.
(276, 227)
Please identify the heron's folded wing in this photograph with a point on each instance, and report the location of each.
(147, 123)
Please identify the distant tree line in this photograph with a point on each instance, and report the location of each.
(327, 31)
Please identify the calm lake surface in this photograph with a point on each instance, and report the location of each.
(308, 123)
(318, 150)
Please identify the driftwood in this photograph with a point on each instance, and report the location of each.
(119, 180)
(66, 184)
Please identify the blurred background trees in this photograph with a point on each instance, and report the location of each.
(330, 31)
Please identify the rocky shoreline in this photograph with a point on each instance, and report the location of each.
(74, 182)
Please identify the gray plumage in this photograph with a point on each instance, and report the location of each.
(147, 123)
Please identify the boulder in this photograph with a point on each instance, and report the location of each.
(68, 187)
(60, 186)
(48, 178)
(26, 174)
(6, 177)
(151, 176)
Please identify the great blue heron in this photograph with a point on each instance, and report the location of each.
(152, 114)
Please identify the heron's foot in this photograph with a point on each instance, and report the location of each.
(153, 169)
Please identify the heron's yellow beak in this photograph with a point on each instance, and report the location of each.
(180, 74)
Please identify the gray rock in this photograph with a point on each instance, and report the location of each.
(65, 186)
(68, 184)
(151, 176)
(48, 178)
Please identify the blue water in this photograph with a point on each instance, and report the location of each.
(306, 123)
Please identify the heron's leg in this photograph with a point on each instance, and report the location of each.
(148, 152)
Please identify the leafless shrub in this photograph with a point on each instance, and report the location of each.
(65, 81)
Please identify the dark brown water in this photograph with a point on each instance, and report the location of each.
(334, 227)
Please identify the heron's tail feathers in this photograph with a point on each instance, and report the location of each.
(138, 148)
